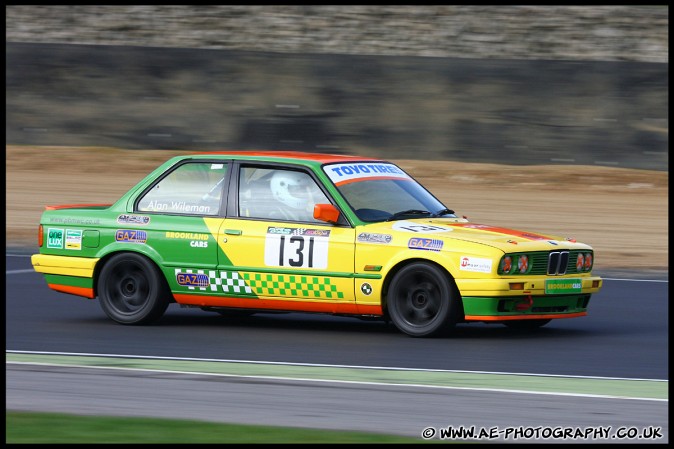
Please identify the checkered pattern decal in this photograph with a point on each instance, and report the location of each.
(252, 284)
(227, 281)
(292, 285)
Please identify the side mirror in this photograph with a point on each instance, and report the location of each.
(326, 212)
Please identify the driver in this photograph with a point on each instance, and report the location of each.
(294, 192)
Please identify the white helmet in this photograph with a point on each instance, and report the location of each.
(291, 188)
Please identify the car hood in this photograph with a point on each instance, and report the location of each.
(508, 240)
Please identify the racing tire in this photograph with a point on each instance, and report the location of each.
(132, 290)
(422, 301)
(526, 324)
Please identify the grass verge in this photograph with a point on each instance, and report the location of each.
(55, 428)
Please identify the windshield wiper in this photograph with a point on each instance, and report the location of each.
(443, 212)
(404, 213)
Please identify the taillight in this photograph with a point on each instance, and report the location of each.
(40, 236)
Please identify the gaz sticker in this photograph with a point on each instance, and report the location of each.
(425, 244)
(192, 279)
(296, 248)
(130, 235)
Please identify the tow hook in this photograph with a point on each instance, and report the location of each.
(525, 303)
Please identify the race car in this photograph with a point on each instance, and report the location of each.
(270, 231)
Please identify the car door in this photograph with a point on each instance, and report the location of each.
(173, 212)
(275, 254)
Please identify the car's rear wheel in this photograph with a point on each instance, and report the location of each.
(132, 290)
(526, 324)
(421, 300)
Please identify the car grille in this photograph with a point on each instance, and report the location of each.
(558, 262)
(554, 262)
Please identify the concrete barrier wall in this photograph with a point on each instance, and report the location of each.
(611, 111)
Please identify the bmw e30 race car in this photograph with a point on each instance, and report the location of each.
(302, 232)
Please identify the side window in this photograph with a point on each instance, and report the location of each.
(277, 194)
(194, 188)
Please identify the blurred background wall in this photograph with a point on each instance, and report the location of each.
(513, 84)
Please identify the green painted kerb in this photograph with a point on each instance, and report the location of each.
(625, 388)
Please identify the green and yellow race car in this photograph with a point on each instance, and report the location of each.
(247, 232)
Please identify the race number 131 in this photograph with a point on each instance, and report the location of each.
(296, 251)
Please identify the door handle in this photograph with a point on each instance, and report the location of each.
(233, 232)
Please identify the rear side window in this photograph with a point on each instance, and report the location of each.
(194, 188)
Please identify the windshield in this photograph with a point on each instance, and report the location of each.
(382, 191)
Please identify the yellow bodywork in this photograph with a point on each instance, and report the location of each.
(64, 265)
(353, 263)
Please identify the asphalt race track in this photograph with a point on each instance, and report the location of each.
(624, 336)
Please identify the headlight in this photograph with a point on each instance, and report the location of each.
(506, 265)
(523, 263)
(515, 264)
(588, 262)
(580, 262)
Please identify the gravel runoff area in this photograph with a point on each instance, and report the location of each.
(622, 213)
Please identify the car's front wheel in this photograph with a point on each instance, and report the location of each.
(132, 290)
(421, 300)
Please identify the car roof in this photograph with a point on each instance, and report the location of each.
(296, 155)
